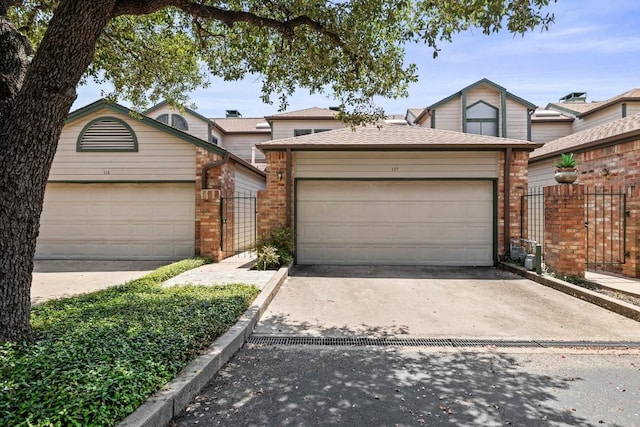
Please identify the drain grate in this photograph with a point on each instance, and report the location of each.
(432, 342)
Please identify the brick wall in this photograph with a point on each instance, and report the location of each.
(615, 168)
(518, 176)
(272, 206)
(564, 233)
(220, 183)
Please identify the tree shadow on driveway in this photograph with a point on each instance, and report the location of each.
(308, 386)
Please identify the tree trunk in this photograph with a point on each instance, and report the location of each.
(30, 125)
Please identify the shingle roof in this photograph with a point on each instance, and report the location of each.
(394, 137)
(241, 124)
(307, 113)
(608, 132)
(546, 115)
(575, 108)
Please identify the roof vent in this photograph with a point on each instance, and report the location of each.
(575, 97)
(263, 125)
(233, 113)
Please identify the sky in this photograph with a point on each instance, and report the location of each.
(593, 47)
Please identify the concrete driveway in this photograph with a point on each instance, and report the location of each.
(56, 279)
(422, 302)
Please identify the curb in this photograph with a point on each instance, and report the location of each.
(173, 398)
(623, 308)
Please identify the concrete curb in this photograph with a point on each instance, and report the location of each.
(623, 308)
(174, 397)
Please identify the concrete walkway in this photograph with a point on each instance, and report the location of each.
(628, 285)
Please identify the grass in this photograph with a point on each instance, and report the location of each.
(98, 356)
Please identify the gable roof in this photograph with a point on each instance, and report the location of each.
(241, 125)
(395, 138)
(313, 113)
(165, 102)
(630, 95)
(611, 132)
(483, 82)
(117, 108)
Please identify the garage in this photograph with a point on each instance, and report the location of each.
(117, 221)
(396, 195)
(395, 222)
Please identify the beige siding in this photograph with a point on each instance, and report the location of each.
(449, 116)
(160, 156)
(248, 183)
(605, 115)
(483, 93)
(633, 108)
(197, 127)
(284, 128)
(545, 132)
(242, 145)
(541, 173)
(218, 135)
(341, 164)
(516, 120)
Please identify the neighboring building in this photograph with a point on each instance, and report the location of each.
(131, 188)
(482, 108)
(240, 135)
(395, 195)
(303, 122)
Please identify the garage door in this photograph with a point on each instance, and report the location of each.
(117, 221)
(395, 222)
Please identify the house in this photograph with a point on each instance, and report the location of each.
(240, 135)
(395, 195)
(127, 187)
(572, 113)
(482, 108)
(608, 158)
(303, 122)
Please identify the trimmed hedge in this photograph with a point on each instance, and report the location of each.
(98, 356)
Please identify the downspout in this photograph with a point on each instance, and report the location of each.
(507, 196)
(208, 166)
(288, 189)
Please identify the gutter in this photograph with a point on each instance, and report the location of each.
(208, 166)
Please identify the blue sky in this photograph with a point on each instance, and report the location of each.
(594, 46)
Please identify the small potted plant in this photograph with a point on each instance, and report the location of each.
(566, 172)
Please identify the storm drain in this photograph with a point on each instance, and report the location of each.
(432, 342)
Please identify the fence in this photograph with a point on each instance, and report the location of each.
(238, 224)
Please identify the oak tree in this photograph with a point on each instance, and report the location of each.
(160, 49)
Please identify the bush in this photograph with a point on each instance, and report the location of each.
(280, 239)
(98, 356)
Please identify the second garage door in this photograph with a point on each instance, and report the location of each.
(117, 221)
(395, 222)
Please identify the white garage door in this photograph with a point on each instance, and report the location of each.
(395, 222)
(117, 221)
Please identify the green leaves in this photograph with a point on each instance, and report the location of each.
(353, 50)
(99, 356)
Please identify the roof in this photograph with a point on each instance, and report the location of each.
(484, 82)
(163, 103)
(613, 131)
(573, 108)
(630, 95)
(241, 125)
(542, 115)
(117, 108)
(395, 138)
(313, 113)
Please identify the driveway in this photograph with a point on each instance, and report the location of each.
(56, 279)
(427, 302)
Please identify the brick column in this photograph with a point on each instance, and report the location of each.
(631, 267)
(210, 224)
(564, 233)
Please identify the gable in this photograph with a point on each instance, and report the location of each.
(158, 155)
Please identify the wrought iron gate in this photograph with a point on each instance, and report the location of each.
(606, 222)
(238, 224)
(532, 215)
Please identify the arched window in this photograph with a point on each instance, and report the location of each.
(482, 119)
(177, 121)
(107, 134)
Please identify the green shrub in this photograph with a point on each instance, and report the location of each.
(268, 258)
(98, 356)
(282, 240)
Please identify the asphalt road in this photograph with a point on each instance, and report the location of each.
(356, 386)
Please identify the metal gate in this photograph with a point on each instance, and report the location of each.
(238, 224)
(532, 215)
(606, 222)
